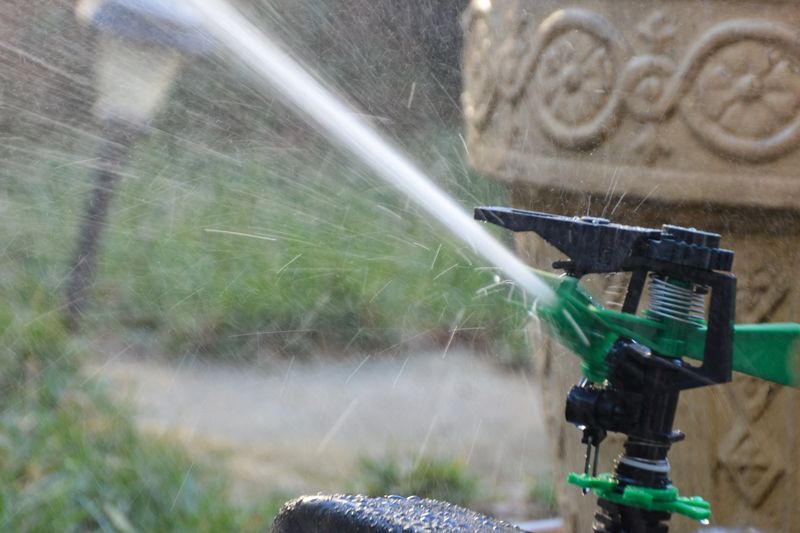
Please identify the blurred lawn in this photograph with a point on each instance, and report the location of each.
(274, 250)
(426, 477)
(70, 460)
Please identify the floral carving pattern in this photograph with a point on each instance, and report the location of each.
(575, 76)
(575, 65)
(749, 89)
(656, 31)
(737, 88)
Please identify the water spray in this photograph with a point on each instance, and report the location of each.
(319, 106)
(633, 362)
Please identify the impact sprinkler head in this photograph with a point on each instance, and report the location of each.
(633, 360)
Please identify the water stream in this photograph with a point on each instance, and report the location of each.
(281, 73)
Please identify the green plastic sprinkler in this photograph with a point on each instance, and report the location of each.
(634, 361)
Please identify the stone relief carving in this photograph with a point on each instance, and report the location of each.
(657, 32)
(737, 87)
(649, 146)
(744, 101)
(574, 76)
(746, 453)
(751, 463)
(480, 101)
(575, 62)
(750, 88)
(762, 290)
(754, 396)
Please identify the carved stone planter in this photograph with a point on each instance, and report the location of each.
(684, 112)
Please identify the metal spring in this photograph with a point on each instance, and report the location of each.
(677, 302)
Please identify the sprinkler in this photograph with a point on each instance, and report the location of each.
(634, 361)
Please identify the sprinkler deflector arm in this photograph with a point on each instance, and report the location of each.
(766, 351)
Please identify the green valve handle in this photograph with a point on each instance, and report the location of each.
(664, 500)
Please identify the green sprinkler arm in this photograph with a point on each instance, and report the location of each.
(766, 351)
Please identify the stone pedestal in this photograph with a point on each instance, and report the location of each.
(684, 112)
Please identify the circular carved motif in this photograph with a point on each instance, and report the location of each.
(575, 77)
(647, 86)
(745, 99)
(575, 72)
(749, 90)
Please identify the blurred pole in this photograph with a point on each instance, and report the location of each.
(134, 74)
(112, 154)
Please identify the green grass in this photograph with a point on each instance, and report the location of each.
(542, 492)
(70, 460)
(427, 477)
(283, 251)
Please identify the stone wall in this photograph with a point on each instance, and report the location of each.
(684, 112)
(680, 100)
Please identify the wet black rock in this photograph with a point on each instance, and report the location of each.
(389, 514)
